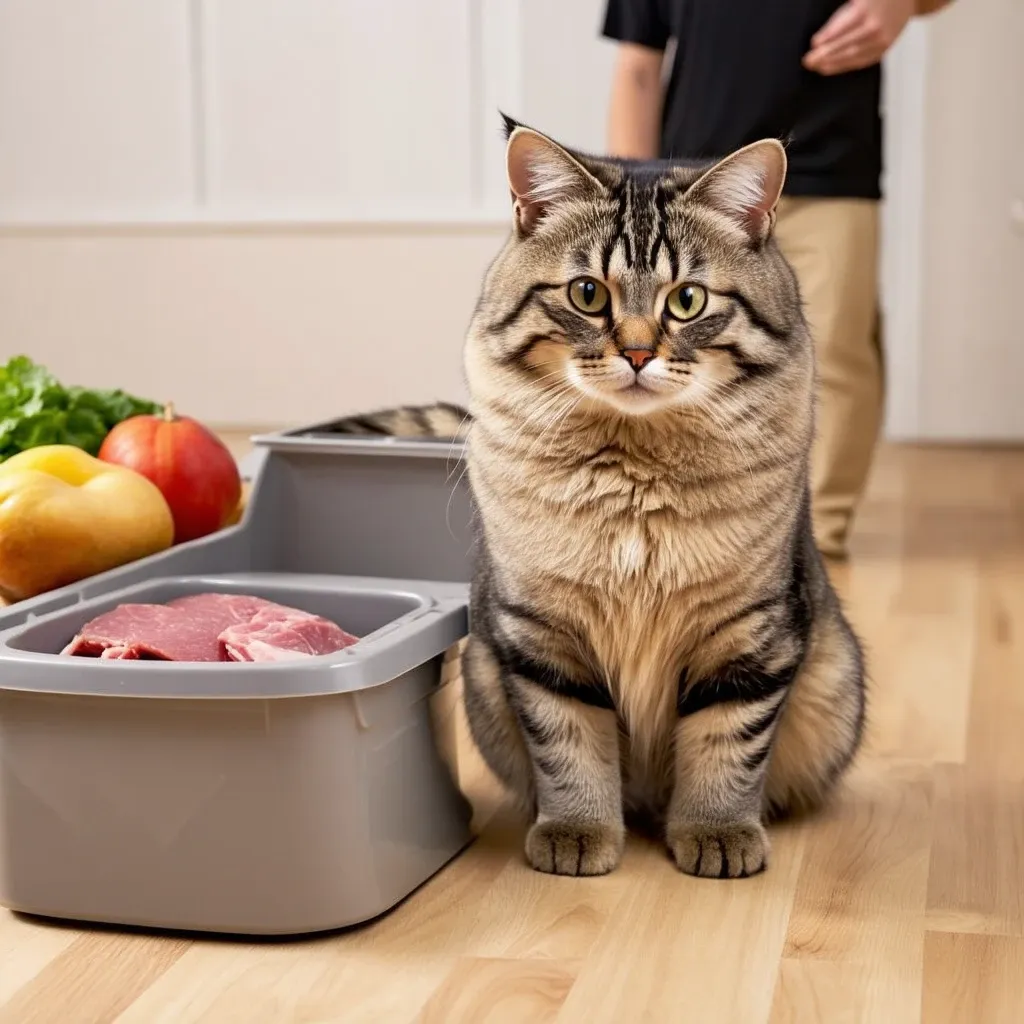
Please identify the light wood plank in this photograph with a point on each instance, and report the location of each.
(973, 978)
(676, 942)
(93, 979)
(498, 991)
(919, 654)
(25, 949)
(861, 895)
(977, 859)
(819, 992)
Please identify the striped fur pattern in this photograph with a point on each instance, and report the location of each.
(653, 633)
(441, 421)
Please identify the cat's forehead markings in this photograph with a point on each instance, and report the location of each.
(614, 242)
(663, 266)
(642, 219)
(583, 256)
(619, 269)
(639, 292)
(635, 236)
(632, 228)
(663, 245)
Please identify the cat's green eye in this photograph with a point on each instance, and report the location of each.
(687, 301)
(589, 296)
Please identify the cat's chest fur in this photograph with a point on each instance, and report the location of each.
(633, 531)
(629, 559)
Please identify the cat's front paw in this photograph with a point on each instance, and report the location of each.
(574, 848)
(719, 851)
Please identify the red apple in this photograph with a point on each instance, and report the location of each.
(193, 469)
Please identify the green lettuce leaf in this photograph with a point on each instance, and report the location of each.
(36, 409)
(111, 406)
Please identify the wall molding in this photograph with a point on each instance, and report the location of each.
(260, 222)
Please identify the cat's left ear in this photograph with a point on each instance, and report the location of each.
(746, 187)
(542, 175)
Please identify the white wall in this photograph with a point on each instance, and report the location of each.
(269, 210)
(117, 112)
(972, 273)
(955, 226)
(275, 210)
(94, 109)
(249, 327)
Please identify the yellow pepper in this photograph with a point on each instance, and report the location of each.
(65, 515)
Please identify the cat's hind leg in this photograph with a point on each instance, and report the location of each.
(821, 724)
(493, 724)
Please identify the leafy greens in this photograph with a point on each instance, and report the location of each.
(36, 409)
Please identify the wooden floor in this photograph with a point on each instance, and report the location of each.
(903, 903)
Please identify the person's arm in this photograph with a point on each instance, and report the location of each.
(634, 114)
(861, 31)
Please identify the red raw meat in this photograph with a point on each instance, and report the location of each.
(154, 631)
(225, 608)
(191, 629)
(131, 653)
(282, 634)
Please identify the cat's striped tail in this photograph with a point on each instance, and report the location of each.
(442, 420)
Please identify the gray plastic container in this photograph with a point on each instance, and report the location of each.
(271, 799)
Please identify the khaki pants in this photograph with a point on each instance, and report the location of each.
(833, 247)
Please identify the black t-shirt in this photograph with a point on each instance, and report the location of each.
(737, 77)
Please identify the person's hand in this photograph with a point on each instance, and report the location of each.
(857, 35)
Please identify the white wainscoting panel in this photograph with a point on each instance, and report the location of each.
(546, 65)
(325, 107)
(499, 67)
(95, 111)
(566, 91)
(228, 111)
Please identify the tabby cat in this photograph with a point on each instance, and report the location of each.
(653, 633)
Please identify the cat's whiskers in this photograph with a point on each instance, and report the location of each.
(551, 393)
(552, 413)
(729, 395)
(702, 397)
(549, 430)
(451, 498)
(455, 441)
(526, 391)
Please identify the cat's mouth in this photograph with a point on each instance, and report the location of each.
(638, 389)
(635, 394)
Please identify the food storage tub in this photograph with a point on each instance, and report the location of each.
(278, 798)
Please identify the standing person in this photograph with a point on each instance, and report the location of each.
(806, 71)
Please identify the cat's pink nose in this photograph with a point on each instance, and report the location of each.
(638, 357)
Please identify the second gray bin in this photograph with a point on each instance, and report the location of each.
(250, 798)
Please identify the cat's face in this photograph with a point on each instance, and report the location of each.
(640, 288)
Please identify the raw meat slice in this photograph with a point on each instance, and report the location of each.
(283, 634)
(152, 631)
(226, 608)
(130, 653)
(207, 627)
(86, 647)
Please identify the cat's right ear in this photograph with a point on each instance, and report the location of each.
(541, 175)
